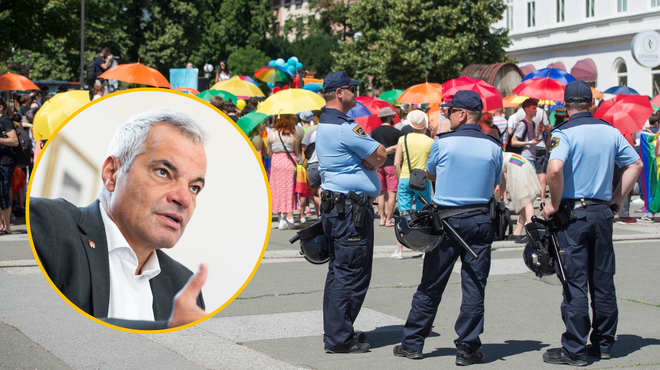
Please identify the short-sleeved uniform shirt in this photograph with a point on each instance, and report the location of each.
(589, 147)
(340, 155)
(467, 164)
(387, 136)
(6, 152)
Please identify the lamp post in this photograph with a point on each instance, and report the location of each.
(208, 68)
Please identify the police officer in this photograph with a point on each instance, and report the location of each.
(348, 159)
(466, 165)
(583, 151)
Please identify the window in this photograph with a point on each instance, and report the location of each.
(560, 11)
(298, 3)
(531, 14)
(276, 4)
(509, 14)
(622, 74)
(590, 8)
(287, 4)
(622, 5)
(655, 3)
(655, 77)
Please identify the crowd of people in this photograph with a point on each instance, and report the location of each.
(17, 152)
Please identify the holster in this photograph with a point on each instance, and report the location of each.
(565, 214)
(359, 207)
(326, 201)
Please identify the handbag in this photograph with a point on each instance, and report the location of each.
(300, 180)
(417, 177)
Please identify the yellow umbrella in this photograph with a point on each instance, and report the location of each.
(238, 87)
(519, 99)
(291, 101)
(56, 110)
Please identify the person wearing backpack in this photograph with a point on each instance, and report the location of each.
(524, 135)
(8, 140)
(97, 66)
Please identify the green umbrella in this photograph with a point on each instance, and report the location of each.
(391, 96)
(249, 121)
(207, 94)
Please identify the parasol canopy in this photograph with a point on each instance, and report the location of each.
(542, 89)
(136, 73)
(291, 101)
(490, 96)
(628, 113)
(238, 87)
(426, 93)
(56, 110)
(13, 81)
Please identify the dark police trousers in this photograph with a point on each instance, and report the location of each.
(478, 231)
(349, 274)
(587, 251)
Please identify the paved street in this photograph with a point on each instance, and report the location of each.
(276, 323)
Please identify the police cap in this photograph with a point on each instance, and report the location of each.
(577, 91)
(335, 80)
(466, 99)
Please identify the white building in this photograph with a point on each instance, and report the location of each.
(545, 32)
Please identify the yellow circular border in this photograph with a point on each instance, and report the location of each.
(263, 250)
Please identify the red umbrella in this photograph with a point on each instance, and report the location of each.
(628, 113)
(368, 123)
(490, 96)
(12, 81)
(375, 105)
(656, 101)
(541, 88)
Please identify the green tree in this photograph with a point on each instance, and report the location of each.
(405, 42)
(246, 61)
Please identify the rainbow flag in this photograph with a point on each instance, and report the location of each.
(517, 160)
(650, 188)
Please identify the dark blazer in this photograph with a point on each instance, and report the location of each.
(63, 235)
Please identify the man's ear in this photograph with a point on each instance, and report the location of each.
(109, 173)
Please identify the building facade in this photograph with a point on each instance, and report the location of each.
(589, 38)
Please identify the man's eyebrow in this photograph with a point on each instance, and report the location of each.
(174, 169)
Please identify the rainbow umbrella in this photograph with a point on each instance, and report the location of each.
(207, 94)
(248, 79)
(187, 90)
(273, 74)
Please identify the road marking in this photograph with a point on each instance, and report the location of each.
(292, 325)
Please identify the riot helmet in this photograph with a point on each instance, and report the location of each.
(416, 231)
(313, 243)
(537, 254)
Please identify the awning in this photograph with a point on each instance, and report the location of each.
(585, 70)
(527, 69)
(558, 65)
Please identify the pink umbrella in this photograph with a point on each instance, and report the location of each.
(628, 113)
(541, 88)
(375, 105)
(490, 96)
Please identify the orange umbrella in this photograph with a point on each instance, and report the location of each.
(187, 90)
(426, 93)
(12, 81)
(136, 73)
(596, 94)
(434, 118)
(506, 102)
(307, 80)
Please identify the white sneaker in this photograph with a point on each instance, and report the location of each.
(647, 218)
(638, 201)
(286, 225)
(303, 220)
(397, 255)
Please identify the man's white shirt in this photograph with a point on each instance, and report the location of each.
(130, 294)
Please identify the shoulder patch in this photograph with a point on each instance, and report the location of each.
(554, 143)
(359, 131)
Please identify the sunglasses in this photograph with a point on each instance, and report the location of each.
(350, 88)
(452, 110)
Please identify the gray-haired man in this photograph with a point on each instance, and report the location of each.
(106, 258)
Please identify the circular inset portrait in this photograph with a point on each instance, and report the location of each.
(149, 210)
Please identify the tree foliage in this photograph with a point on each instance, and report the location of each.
(245, 61)
(406, 42)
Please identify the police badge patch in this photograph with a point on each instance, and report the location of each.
(554, 143)
(359, 131)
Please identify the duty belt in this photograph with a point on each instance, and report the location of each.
(585, 202)
(455, 211)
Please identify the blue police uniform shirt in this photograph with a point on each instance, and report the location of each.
(341, 145)
(589, 147)
(467, 164)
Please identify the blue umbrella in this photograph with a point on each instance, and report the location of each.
(553, 73)
(313, 87)
(359, 110)
(616, 90)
